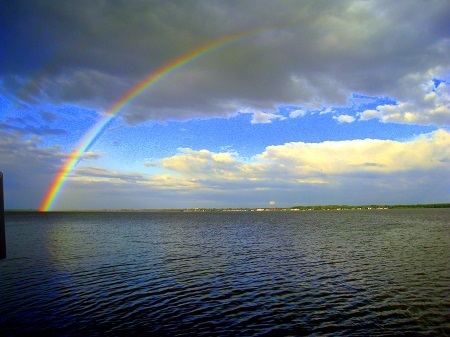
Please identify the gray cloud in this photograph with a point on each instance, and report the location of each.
(27, 169)
(94, 172)
(27, 129)
(310, 53)
(119, 190)
(48, 116)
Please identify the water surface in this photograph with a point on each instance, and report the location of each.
(317, 273)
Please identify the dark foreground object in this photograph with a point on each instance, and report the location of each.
(2, 221)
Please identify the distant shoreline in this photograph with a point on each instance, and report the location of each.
(257, 209)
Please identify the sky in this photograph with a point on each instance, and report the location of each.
(261, 103)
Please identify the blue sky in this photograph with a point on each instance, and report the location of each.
(332, 103)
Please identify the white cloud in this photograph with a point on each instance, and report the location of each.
(430, 106)
(363, 156)
(202, 163)
(92, 155)
(297, 113)
(345, 119)
(265, 117)
(260, 117)
(318, 162)
(369, 114)
(326, 110)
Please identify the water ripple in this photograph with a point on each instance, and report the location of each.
(220, 274)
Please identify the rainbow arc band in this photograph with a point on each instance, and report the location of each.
(169, 68)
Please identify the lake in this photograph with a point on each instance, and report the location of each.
(313, 273)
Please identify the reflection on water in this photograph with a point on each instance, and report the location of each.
(225, 274)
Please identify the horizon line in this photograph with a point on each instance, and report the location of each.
(447, 204)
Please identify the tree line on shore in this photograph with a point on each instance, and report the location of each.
(342, 207)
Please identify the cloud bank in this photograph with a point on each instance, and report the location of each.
(305, 54)
(414, 171)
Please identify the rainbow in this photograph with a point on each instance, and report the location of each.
(169, 68)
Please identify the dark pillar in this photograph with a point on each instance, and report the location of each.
(2, 221)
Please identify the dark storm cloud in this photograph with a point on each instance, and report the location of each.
(309, 53)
